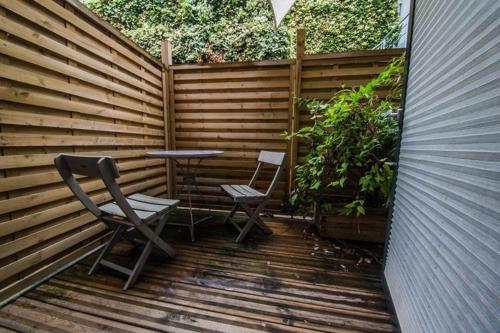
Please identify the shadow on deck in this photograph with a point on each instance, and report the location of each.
(281, 283)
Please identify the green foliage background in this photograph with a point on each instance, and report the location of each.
(241, 30)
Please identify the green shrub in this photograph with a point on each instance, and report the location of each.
(352, 144)
(240, 30)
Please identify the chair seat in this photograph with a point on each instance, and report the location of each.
(243, 193)
(144, 206)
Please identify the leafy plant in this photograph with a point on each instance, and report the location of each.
(352, 143)
(242, 30)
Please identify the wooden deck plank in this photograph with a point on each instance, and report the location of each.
(280, 283)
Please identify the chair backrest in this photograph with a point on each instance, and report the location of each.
(85, 165)
(272, 157)
(102, 167)
(269, 157)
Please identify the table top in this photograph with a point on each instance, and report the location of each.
(184, 153)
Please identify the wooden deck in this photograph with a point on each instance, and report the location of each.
(279, 283)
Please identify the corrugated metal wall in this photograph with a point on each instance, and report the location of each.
(443, 262)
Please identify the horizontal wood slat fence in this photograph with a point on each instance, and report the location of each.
(324, 75)
(69, 82)
(239, 108)
(242, 108)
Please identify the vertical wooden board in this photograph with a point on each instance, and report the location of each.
(168, 112)
(300, 49)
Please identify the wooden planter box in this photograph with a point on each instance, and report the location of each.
(370, 227)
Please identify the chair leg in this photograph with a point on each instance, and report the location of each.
(191, 232)
(231, 214)
(155, 238)
(107, 248)
(136, 271)
(229, 218)
(250, 223)
(139, 265)
(258, 221)
(265, 229)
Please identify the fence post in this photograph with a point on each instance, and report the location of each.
(166, 59)
(294, 145)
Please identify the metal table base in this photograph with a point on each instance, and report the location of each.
(188, 173)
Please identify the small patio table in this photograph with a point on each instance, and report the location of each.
(188, 172)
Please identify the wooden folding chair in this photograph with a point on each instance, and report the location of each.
(130, 217)
(244, 195)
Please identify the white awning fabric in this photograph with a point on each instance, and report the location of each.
(280, 9)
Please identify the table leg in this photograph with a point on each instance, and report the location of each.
(188, 173)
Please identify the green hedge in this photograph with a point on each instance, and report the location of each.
(238, 30)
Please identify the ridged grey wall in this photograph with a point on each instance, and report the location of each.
(443, 262)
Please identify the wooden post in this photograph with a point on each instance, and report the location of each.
(294, 145)
(166, 59)
(289, 145)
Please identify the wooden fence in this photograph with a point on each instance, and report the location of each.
(71, 83)
(242, 108)
(68, 83)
